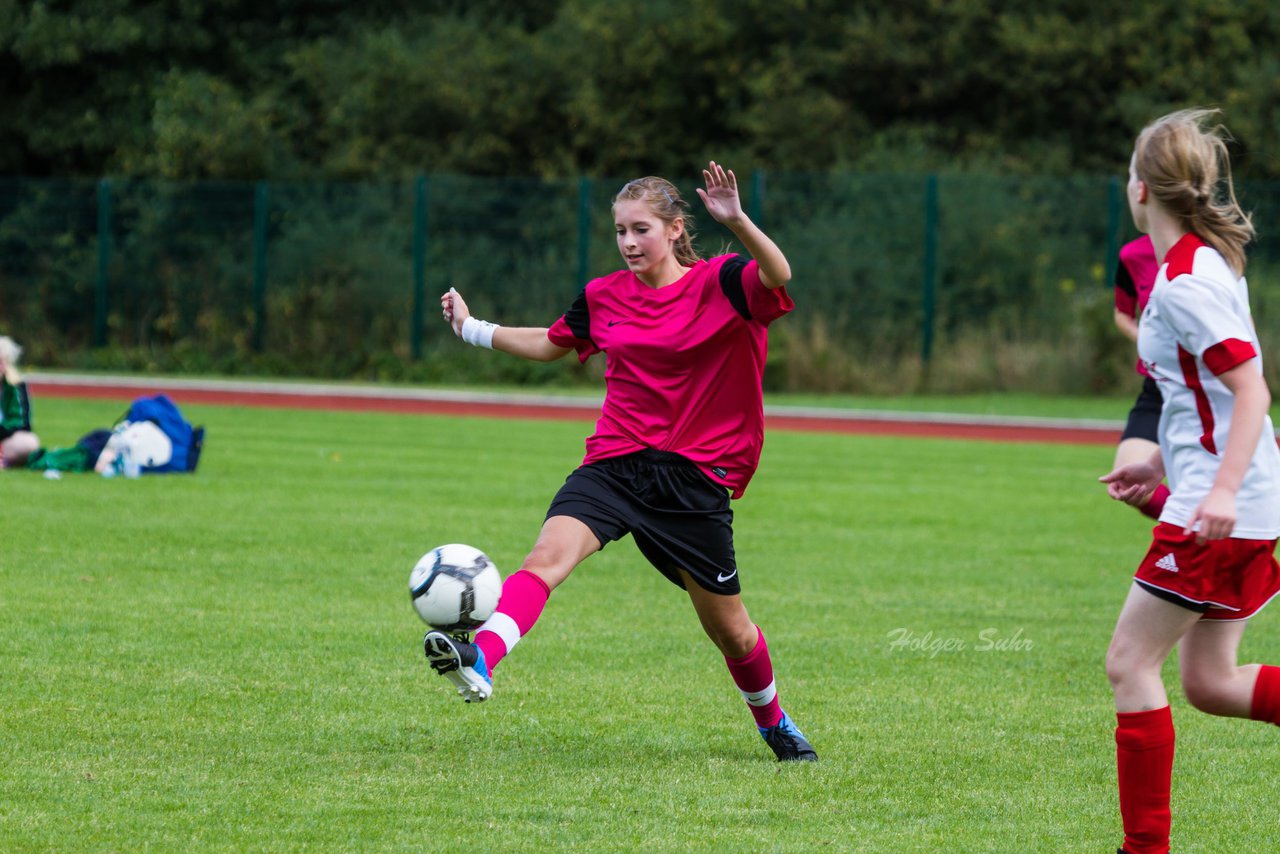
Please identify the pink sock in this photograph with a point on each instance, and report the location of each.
(1266, 695)
(1156, 503)
(753, 674)
(519, 606)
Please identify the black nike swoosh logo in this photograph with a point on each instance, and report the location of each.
(613, 323)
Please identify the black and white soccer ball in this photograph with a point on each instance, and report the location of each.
(455, 587)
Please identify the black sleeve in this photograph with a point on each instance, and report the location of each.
(578, 318)
(731, 285)
(1124, 281)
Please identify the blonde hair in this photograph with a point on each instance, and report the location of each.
(9, 351)
(9, 354)
(1186, 167)
(664, 200)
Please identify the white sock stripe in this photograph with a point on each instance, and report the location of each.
(763, 697)
(504, 627)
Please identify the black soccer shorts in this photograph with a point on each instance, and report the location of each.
(1144, 417)
(679, 517)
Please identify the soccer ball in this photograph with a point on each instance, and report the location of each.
(455, 587)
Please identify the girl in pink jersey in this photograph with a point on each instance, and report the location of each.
(680, 432)
(1135, 275)
(1211, 565)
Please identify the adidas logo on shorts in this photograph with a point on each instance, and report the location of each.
(1167, 563)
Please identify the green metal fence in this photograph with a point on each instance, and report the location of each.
(328, 278)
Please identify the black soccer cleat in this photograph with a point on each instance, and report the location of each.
(461, 663)
(788, 742)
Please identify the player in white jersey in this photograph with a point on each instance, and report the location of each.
(1211, 565)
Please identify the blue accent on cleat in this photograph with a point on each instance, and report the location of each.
(460, 662)
(788, 743)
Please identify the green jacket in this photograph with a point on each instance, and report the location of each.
(15, 408)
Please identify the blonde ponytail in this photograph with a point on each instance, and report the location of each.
(1187, 169)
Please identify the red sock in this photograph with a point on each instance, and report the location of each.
(519, 606)
(753, 674)
(1266, 696)
(1144, 758)
(1156, 503)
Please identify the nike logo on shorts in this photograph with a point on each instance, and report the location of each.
(722, 578)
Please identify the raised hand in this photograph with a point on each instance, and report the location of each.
(454, 309)
(721, 194)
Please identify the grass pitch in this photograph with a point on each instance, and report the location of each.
(229, 661)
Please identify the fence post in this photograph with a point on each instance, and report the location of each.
(101, 295)
(419, 264)
(584, 231)
(756, 211)
(929, 284)
(1113, 228)
(260, 200)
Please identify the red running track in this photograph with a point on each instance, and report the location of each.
(832, 421)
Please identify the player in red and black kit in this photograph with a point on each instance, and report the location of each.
(680, 432)
(1135, 276)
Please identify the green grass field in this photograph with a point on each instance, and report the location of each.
(229, 661)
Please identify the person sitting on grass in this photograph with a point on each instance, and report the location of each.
(17, 442)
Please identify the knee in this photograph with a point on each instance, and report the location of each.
(735, 641)
(1116, 669)
(17, 448)
(547, 565)
(1206, 693)
(1121, 665)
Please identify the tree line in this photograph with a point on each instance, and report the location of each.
(386, 89)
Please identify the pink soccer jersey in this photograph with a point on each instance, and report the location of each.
(684, 364)
(1135, 276)
(1197, 326)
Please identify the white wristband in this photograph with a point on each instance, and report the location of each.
(478, 333)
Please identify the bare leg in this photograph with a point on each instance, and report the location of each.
(724, 619)
(1144, 636)
(1145, 739)
(563, 543)
(1212, 679)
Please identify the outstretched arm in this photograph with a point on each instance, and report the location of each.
(527, 342)
(725, 207)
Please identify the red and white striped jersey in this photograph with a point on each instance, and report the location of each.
(1197, 326)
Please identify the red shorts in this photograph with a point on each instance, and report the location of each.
(1227, 579)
